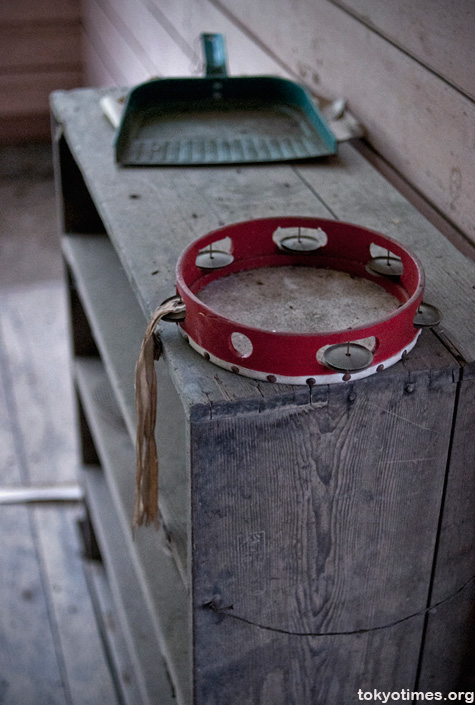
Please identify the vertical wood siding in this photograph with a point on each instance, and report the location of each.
(437, 34)
(405, 69)
(39, 53)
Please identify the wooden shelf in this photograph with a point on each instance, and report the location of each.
(144, 578)
(118, 325)
(115, 317)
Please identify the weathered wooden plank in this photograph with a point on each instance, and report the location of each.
(438, 36)
(29, 666)
(46, 47)
(115, 44)
(308, 521)
(106, 614)
(127, 590)
(33, 317)
(28, 93)
(417, 121)
(185, 20)
(114, 315)
(449, 646)
(153, 600)
(39, 10)
(86, 668)
(16, 129)
(98, 70)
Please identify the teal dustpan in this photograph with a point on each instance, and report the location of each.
(218, 119)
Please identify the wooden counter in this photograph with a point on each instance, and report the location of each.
(306, 530)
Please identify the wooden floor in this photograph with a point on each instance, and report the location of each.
(59, 638)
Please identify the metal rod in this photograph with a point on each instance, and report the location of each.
(45, 493)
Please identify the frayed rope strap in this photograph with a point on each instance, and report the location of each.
(146, 478)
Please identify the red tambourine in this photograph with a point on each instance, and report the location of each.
(301, 244)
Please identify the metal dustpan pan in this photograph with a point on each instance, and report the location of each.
(219, 119)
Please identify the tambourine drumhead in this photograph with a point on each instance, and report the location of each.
(299, 300)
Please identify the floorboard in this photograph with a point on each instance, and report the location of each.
(55, 635)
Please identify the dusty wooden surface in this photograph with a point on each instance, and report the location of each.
(151, 214)
(308, 521)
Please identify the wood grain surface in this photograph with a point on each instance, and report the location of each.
(436, 36)
(449, 648)
(309, 522)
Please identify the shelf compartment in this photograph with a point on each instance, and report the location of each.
(118, 324)
(153, 601)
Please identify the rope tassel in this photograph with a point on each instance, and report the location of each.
(146, 478)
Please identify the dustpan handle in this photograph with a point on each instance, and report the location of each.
(214, 54)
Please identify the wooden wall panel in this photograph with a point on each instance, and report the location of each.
(96, 72)
(123, 61)
(28, 93)
(423, 126)
(39, 52)
(39, 10)
(131, 43)
(438, 34)
(42, 46)
(402, 69)
(164, 38)
(166, 53)
(245, 56)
